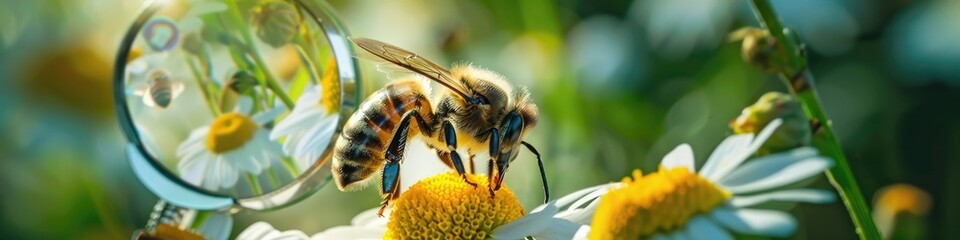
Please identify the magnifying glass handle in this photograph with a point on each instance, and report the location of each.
(168, 221)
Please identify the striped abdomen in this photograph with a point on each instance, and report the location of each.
(359, 151)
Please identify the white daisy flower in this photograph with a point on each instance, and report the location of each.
(308, 129)
(366, 225)
(679, 203)
(265, 231)
(213, 155)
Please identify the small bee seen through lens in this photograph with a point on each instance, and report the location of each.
(160, 90)
(477, 110)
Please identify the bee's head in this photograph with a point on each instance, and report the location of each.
(490, 95)
(509, 135)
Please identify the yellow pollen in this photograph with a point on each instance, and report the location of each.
(230, 131)
(331, 87)
(657, 202)
(445, 207)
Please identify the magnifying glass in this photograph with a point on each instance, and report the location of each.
(234, 104)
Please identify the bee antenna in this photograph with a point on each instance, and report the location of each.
(543, 174)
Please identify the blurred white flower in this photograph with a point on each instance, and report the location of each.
(924, 42)
(676, 28)
(213, 155)
(309, 128)
(604, 54)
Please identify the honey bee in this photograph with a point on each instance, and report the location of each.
(476, 110)
(159, 90)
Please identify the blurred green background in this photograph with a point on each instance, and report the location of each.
(619, 83)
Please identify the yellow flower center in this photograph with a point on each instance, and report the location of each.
(230, 131)
(658, 202)
(331, 88)
(445, 207)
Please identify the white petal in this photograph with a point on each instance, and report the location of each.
(264, 117)
(244, 105)
(584, 214)
(228, 174)
(756, 222)
(242, 159)
(772, 162)
(556, 229)
(369, 218)
(758, 177)
(583, 233)
(291, 144)
(732, 144)
(291, 235)
(527, 225)
(350, 232)
(701, 227)
(195, 141)
(212, 178)
(312, 140)
(315, 142)
(310, 97)
(258, 230)
(794, 195)
(294, 123)
(576, 196)
(192, 169)
(217, 226)
(682, 156)
(734, 159)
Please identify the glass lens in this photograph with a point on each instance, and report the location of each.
(234, 97)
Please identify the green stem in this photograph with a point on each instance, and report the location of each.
(254, 184)
(269, 81)
(311, 68)
(274, 180)
(199, 79)
(290, 166)
(792, 68)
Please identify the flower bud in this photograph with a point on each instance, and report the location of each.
(238, 84)
(794, 132)
(757, 48)
(276, 22)
(242, 81)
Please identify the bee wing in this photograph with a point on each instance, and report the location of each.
(411, 61)
(148, 99)
(176, 88)
(140, 91)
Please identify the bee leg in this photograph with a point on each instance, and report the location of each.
(450, 136)
(390, 184)
(494, 153)
(543, 174)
